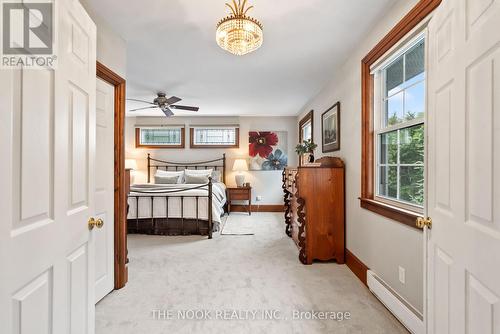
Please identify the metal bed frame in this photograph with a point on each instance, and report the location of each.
(176, 226)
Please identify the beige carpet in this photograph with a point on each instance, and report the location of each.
(244, 274)
(238, 224)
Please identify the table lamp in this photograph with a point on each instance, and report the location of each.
(240, 166)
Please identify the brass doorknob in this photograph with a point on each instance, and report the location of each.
(99, 223)
(422, 222)
(91, 223)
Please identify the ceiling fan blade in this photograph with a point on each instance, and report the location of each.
(143, 108)
(173, 99)
(140, 101)
(167, 111)
(185, 108)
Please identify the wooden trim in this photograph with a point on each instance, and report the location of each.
(120, 196)
(193, 145)
(258, 208)
(421, 10)
(180, 146)
(356, 265)
(403, 216)
(304, 120)
(409, 22)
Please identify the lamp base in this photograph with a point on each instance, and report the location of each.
(240, 180)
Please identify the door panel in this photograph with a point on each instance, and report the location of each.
(78, 273)
(484, 304)
(104, 189)
(47, 141)
(481, 79)
(78, 113)
(28, 317)
(464, 168)
(36, 188)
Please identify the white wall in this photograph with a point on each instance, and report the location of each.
(264, 183)
(381, 244)
(111, 48)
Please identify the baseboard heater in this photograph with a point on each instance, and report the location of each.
(398, 306)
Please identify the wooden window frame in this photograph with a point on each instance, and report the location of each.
(197, 146)
(367, 200)
(181, 145)
(308, 117)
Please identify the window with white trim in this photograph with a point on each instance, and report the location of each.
(399, 126)
(214, 137)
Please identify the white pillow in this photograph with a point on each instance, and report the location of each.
(199, 172)
(165, 173)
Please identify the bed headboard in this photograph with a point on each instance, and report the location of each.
(216, 164)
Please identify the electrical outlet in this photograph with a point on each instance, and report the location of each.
(258, 198)
(402, 275)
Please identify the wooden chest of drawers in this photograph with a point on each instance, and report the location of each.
(315, 210)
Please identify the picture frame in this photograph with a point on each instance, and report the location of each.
(330, 129)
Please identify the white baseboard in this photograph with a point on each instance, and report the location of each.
(401, 309)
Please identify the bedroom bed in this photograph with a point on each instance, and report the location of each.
(187, 198)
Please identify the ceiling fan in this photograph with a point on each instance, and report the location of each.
(165, 104)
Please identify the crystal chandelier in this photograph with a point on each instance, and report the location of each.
(239, 33)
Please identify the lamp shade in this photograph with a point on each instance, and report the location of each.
(240, 165)
(130, 164)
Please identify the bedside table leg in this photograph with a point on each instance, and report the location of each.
(250, 205)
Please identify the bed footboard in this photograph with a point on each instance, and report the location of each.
(172, 225)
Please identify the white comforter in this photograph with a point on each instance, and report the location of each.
(175, 210)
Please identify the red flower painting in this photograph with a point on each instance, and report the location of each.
(262, 143)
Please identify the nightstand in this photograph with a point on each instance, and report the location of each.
(239, 194)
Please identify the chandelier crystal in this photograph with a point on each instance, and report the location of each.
(238, 33)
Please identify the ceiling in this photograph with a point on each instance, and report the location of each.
(171, 47)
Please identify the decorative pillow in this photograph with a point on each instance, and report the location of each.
(217, 176)
(166, 179)
(164, 173)
(196, 179)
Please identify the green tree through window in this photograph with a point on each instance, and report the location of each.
(402, 134)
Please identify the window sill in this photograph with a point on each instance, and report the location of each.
(402, 216)
(203, 146)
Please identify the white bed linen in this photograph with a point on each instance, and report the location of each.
(157, 191)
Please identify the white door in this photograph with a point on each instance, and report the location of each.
(464, 168)
(47, 145)
(104, 190)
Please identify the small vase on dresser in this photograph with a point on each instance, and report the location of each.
(315, 209)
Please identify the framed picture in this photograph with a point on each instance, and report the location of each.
(330, 129)
(268, 150)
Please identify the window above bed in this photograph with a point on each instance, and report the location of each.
(214, 137)
(160, 137)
